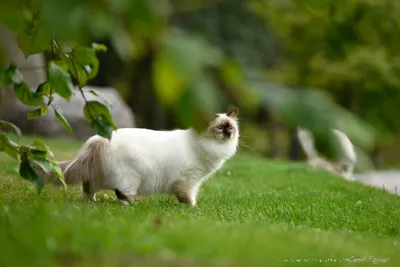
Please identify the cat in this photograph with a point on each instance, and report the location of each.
(141, 162)
(344, 166)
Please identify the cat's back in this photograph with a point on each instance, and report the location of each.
(147, 139)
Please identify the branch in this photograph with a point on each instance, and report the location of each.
(52, 58)
(79, 83)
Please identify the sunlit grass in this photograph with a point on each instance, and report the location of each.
(252, 213)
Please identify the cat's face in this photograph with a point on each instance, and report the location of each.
(224, 127)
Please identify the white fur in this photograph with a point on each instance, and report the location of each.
(141, 162)
(348, 154)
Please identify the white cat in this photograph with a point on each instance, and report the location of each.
(344, 166)
(139, 162)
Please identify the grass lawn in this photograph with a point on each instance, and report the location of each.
(251, 213)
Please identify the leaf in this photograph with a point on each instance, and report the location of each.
(14, 75)
(83, 55)
(44, 164)
(85, 64)
(33, 152)
(102, 127)
(62, 120)
(8, 146)
(27, 171)
(99, 47)
(11, 126)
(26, 96)
(93, 109)
(35, 38)
(60, 81)
(99, 118)
(37, 150)
(41, 146)
(100, 95)
(56, 169)
(37, 112)
(44, 89)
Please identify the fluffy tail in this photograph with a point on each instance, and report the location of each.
(88, 164)
(348, 156)
(348, 153)
(306, 140)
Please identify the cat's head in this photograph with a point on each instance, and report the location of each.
(224, 126)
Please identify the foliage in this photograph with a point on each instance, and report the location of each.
(252, 206)
(346, 48)
(184, 69)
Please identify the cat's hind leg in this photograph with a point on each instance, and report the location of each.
(186, 191)
(88, 191)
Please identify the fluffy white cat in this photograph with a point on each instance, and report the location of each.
(139, 162)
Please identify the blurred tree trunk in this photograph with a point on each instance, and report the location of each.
(142, 97)
(294, 147)
(266, 119)
(376, 157)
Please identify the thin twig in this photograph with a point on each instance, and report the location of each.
(52, 58)
(79, 84)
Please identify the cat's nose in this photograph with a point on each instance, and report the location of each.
(228, 131)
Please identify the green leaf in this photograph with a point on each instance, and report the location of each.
(44, 89)
(44, 164)
(56, 169)
(27, 171)
(94, 109)
(41, 146)
(62, 120)
(83, 55)
(85, 65)
(26, 96)
(102, 127)
(100, 95)
(11, 15)
(60, 81)
(37, 150)
(35, 38)
(37, 112)
(99, 118)
(8, 146)
(99, 47)
(11, 126)
(79, 72)
(14, 75)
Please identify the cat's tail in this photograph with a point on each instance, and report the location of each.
(348, 157)
(306, 140)
(348, 153)
(89, 163)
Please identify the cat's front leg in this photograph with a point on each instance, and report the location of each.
(186, 191)
(125, 199)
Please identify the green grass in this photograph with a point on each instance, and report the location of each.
(252, 213)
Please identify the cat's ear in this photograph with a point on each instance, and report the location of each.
(232, 113)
